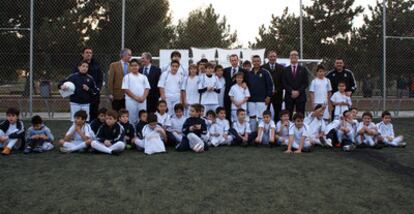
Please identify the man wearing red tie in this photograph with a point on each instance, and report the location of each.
(295, 81)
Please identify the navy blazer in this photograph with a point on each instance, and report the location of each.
(153, 77)
(298, 83)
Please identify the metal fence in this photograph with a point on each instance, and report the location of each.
(41, 40)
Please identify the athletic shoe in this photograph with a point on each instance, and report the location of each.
(328, 142)
(402, 144)
(6, 151)
(27, 150)
(38, 150)
(348, 148)
(64, 150)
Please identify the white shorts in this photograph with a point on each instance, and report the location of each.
(133, 108)
(75, 107)
(256, 109)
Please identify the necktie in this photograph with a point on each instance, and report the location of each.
(294, 71)
(146, 71)
(272, 66)
(234, 72)
(125, 68)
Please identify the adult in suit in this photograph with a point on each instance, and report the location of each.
(117, 71)
(94, 70)
(229, 75)
(153, 74)
(295, 81)
(276, 71)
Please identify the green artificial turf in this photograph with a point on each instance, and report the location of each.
(222, 180)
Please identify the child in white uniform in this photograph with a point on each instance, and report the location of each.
(386, 130)
(316, 127)
(241, 129)
(282, 128)
(170, 85)
(219, 71)
(79, 136)
(11, 132)
(152, 134)
(136, 87)
(239, 96)
(340, 100)
(367, 131)
(222, 129)
(189, 88)
(209, 89)
(298, 139)
(266, 130)
(177, 121)
(320, 91)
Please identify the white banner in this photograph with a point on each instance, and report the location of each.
(224, 55)
(165, 59)
(248, 53)
(203, 53)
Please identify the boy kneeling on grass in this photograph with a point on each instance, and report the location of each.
(11, 132)
(79, 135)
(110, 136)
(298, 139)
(39, 138)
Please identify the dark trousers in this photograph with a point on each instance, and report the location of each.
(184, 145)
(297, 104)
(237, 140)
(277, 100)
(118, 104)
(152, 102)
(94, 108)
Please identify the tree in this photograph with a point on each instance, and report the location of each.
(204, 28)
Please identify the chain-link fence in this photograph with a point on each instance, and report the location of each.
(62, 28)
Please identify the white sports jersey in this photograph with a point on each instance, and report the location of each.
(283, 131)
(171, 84)
(320, 88)
(136, 83)
(224, 124)
(267, 126)
(147, 131)
(338, 97)
(242, 128)
(177, 124)
(221, 94)
(86, 128)
(239, 94)
(370, 126)
(298, 133)
(164, 119)
(386, 130)
(190, 86)
(209, 97)
(315, 125)
(12, 129)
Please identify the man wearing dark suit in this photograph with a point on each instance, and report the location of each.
(276, 71)
(153, 74)
(228, 74)
(295, 81)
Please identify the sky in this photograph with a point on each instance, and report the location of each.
(247, 16)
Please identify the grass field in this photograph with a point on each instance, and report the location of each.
(222, 180)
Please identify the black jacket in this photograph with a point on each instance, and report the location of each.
(346, 75)
(298, 83)
(195, 121)
(95, 71)
(20, 134)
(129, 130)
(95, 124)
(153, 78)
(260, 85)
(138, 128)
(113, 134)
(276, 74)
(81, 96)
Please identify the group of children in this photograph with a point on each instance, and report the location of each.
(112, 133)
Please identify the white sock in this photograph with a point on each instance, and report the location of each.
(118, 146)
(72, 147)
(140, 143)
(47, 146)
(11, 143)
(100, 147)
